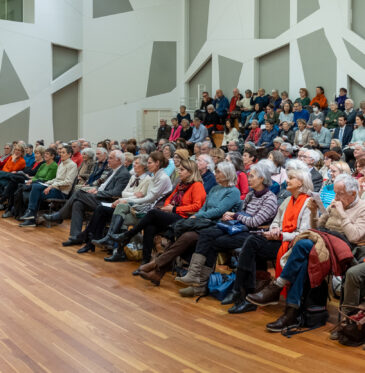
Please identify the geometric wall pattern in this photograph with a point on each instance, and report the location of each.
(204, 78)
(63, 59)
(356, 54)
(358, 25)
(16, 127)
(229, 73)
(102, 8)
(11, 88)
(306, 8)
(271, 26)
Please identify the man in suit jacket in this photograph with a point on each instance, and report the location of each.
(311, 157)
(82, 201)
(302, 135)
(343, 132)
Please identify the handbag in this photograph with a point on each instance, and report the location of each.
(351, 332)
(232, 227)
(220, 285)
(191, 224)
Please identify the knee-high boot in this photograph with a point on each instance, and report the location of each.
(114, 227)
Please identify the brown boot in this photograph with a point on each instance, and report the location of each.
(268, 295)
(288, 320)
(148, 267)
(263, 278)
(154, 276)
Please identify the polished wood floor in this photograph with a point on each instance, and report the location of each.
(65, 312)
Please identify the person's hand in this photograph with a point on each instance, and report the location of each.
(228, 216)
(28, 182)
(167, 208)
(312, 205)
(192, 217)
(92, 191)
(139, 194)
(47, 190)
(338, 206)
(118, 202)
(273, 234)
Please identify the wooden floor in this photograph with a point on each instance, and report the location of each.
(65, 312)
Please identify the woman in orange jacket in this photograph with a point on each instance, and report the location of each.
(320, 98)
(186, 199)
(15, 163)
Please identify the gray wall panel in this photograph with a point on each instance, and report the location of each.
(204, 76)
(319, 64)
(198, 26)
(229, 75)
(11, 88)
(66, 112)
(15, 128)
(63, 59)
(162, 77)
(356, 55)
(358, 12)
(274, 18)
(356, 92)
(306, 8)
(102, 8)
(274, 70)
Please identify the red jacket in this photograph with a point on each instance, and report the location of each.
(192, 200)
(321, 99)
(77, 158)
(254, 135)
(242, 184)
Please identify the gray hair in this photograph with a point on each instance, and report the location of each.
(208, 143)
(143, 158)
(334, 103)
(211, 107)
(288, 147)
(255, 120)
(317, 121)
(237, 160)
(119, 155)
(148, 146)
(209, 161)
(10, 145)
(185, 120)
(228, 171)
(305, 177)
(351, 101)
(350, 183)
(171, 148)
(265, 169)
(103, 150)
(198, 144)
(296, 164)
(314, 155)
(278, 158)
(89, 152)
(278, 139)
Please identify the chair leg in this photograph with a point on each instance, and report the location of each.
(48, 223)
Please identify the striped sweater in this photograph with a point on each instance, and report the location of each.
(262, 210)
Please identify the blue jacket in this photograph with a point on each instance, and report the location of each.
(219, 200)
(341, 102)
(29, 160)
(199, 134)
(221, 105)
(264, 100)
(304, 114)
(208, 181)
(260, 117)
(347, 134)
(267, 137)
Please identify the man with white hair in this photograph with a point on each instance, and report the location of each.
(82, 201)
(322, 135)
(286, 150)
(206, 147)
(347, 214)
(311, 157)
(350, 112)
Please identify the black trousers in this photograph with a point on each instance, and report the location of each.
(97, 223)
(255, 249)
(156, 221)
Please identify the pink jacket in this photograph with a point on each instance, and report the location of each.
(175, 133)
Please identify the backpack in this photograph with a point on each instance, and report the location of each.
(220, 285)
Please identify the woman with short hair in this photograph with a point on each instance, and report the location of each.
(206, 168)
(168, 151)
(329, 158)
(242, 184)
(278, 159)
(179, 155)
(217, 155)
(249, 158)
(87, 166)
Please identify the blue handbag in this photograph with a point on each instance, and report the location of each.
(220, 285)
(232, 227)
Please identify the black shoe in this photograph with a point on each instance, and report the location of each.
(122, 239)
(7, 214)
(2, 207)
(116, 257)
(28, 223)
(231, 297)
(243, 307)
(29, 214)
(105, 241)
(56, 217)
(137, 272)
(72, 242)
(88, 247)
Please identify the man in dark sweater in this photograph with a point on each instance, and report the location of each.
(163, 131)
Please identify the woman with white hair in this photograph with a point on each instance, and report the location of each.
(168, 151)
(222, 197)
(206, 168)
(242, 184)
(86, 168)
(257, 209)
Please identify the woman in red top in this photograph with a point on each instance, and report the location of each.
(186, 199)
(320, 98)
(255, 133)
(242, 183)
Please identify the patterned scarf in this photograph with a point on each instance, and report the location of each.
(179, 193)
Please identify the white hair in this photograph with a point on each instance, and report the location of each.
(207, 143)
(305, 177)
(229, 172)
(318, 121)
(208, 160)
(119, 155)
(314, 155)
(288, 147)
(211, 107)
(350, 183)
(265, 169)
(296, 164)
(89, 152)
(351, 101)
(103, 150)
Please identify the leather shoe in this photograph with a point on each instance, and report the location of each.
(232, 297)
(28, 223)
(71, 242)
(154, 276)
(148, 267)
(56, 217)
(122, 239)
(29, 214)
(243, 307)
(103, 242)
(268, 295)
(116, 257)
(7, 214)
(288, 320)
(88, 247)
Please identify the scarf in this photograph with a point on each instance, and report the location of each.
(290, 221)
(179, 193)
(261, 193)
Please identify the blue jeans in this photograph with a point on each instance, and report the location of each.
(37, 195)
(244, 116)
(295, 271)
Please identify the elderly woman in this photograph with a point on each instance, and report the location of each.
(230, 133)
(168, 151)
(206, 168)
(180, 155)
(242, 184)
(8, 147)
(346, 216)
(327, 193)
(197, 151)
(186, 130)
(331, 121)
(291, 219)
(122, 216)
(329, 158)
(211, 119)
(147, 147)
(277, 143)
(258, 208)
(186, 199)
(14, 163)
(136, 188)
(86, 168)
(249, 158)
(222, 197)
(217, 155)
(278, 159)
(287, 133)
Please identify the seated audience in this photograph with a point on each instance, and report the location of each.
(211, 119)
(311, 157)
(350, 112)
(183, 114)
(234, 110)
(341, 99)
(245, 106)
(206, 100)
(255, 132)
(358, 136)
(199, 133)
(221, 105)
(179, 155)
(285, 100)
(230, 133)
(29, 156)
(233, 146)
(286, 115)
(271, 115)
(302, 135)
(316, 114)
(168, 151)
(87, 166)
(329, 158)
(260, 98)
(267, 137)
(278, 159)
(343, 132)
(76, 155)
(249, 158)
(14, 163)
(175, 130)
(333, 114)
(287, 134)
(320, 98)
(8, 147)
(147, 147)
(299, 113)
(303, 97)
(206, 168)
(322, 135)
(275, 100)
(287, 150)
(258, 114)
(242, 184)
(218, 155)
(163, 131)
(277, 143)
(186, 130)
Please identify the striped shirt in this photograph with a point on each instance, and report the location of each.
(262, 210)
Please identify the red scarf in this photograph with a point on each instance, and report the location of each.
(179, 193)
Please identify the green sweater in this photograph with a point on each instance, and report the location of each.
(46, 172)
(332, 119)
(305, 101)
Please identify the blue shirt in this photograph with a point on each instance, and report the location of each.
(29, 159)
(327, 195)
(170, 168)
(208, 181)
(199, 134)
(221, 105)
(267, 137)
(259, 116)
(303, 114)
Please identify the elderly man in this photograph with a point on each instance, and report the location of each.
(345, 215)
(350, 112)
(234, 109)
(311, 157)
(221, 105)
(300, 113)
(260, 98)
(322, 135)
(200, 133)
(163, 131)
(286, 150)
(81, 201)
(233, 146)
(100, 171)
(268, 136)
(206, 147)
(76, 154)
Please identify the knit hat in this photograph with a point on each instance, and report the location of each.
(183, 154)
